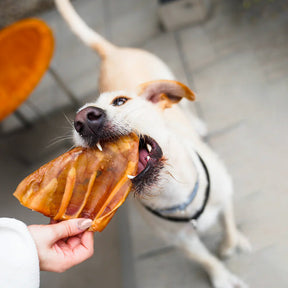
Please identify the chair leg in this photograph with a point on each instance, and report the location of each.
(26, 123)
(64, 87)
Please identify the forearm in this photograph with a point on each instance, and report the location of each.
(19, 264)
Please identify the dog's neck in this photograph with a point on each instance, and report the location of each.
(184, 189)
(182, 213)
(182, 170)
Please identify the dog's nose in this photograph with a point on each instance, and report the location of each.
(89, 120)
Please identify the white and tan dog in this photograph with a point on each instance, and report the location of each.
(181, 184)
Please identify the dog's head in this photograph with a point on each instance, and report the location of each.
(143, 112)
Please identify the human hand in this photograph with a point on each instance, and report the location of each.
(63, 245)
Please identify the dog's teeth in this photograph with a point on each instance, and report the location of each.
(131, 177)
(149, 148)
(148, 158)
(99, 146)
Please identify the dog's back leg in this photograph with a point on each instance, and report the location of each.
(233, 239)
(219, 275)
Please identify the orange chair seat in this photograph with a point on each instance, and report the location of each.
(26, 48)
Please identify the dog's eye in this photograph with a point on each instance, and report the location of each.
(119, 101)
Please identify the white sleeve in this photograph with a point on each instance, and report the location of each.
(19, 264)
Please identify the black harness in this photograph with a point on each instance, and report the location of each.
(198, 213)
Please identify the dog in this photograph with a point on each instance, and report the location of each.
(181, 184)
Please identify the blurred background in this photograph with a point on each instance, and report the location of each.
(234, 55)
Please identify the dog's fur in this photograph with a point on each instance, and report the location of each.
(152, 110)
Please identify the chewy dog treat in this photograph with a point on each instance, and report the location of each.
(83, 182)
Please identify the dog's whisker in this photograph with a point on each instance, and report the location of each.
(172, 176)
(59, 139)
(71, 147)
(66, 136)
(70, 122)
(63, 136)
(150, 193)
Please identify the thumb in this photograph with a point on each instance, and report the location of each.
(69, 228)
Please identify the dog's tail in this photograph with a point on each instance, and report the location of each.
(82, 30)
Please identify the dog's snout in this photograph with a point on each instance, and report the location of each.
(89, 120)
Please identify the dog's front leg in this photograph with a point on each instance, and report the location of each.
(233, 239)
(219, 275)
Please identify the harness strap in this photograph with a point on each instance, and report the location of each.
(198, 213)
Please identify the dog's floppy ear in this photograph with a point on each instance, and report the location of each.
(165, 92)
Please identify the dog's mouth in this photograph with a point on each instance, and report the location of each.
(149, 165)
(150, 162)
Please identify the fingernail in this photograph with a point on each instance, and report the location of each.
(83, 224)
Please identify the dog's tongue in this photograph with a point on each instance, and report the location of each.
(143, 153)
(83, 183)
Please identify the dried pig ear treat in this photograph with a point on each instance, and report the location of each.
(83, 182)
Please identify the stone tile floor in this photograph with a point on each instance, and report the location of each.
(237, 63)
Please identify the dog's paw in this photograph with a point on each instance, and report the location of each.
(225, 279)
(240, 244)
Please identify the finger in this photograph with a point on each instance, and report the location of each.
(86, 249)
(62, 245)
(68, 228)
(73, 242)
(87, 240)
(80, 253)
